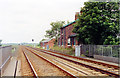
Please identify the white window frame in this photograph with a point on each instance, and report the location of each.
(68, 42)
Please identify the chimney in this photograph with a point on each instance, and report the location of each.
(76, 15)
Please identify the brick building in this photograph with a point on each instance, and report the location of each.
(67, 37)
(47, 43)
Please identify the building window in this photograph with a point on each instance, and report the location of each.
(64, 37)
(68, 41)
(71, 41)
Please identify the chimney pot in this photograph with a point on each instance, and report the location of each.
(76, 15)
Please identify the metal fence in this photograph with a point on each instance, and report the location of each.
(103, 50)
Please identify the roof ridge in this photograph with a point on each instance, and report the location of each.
(69, 23)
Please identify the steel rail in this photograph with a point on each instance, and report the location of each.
(71, 67)
(88, 60)
(31, 66)
(69, 73)
(88, 66)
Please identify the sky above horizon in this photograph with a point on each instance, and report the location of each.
(24, 20)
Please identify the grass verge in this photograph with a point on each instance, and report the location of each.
(68, 51)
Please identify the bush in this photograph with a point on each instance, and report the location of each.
(68, 51)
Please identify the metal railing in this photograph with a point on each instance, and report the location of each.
(5, 54)
(103, 50)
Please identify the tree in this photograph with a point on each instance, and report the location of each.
(54, 32)
(97, 22)
(111, 40)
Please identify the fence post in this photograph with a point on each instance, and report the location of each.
(94, 48)
(89, 50)
(102, 50)
(111, 51)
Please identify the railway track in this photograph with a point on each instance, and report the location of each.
(108, 69)
(91, 61)
(31, 66)
(34, 70)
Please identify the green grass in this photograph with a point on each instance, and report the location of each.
(68, 51)
(38, 47)
(30, 45)
(4, 45)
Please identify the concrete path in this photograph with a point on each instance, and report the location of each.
(103, 61)
(9, 71)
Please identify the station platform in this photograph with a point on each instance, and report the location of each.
(103, 61)
(10, 70)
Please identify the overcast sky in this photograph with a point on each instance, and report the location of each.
(24, 20)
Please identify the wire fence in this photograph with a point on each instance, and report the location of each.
(103, 50)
